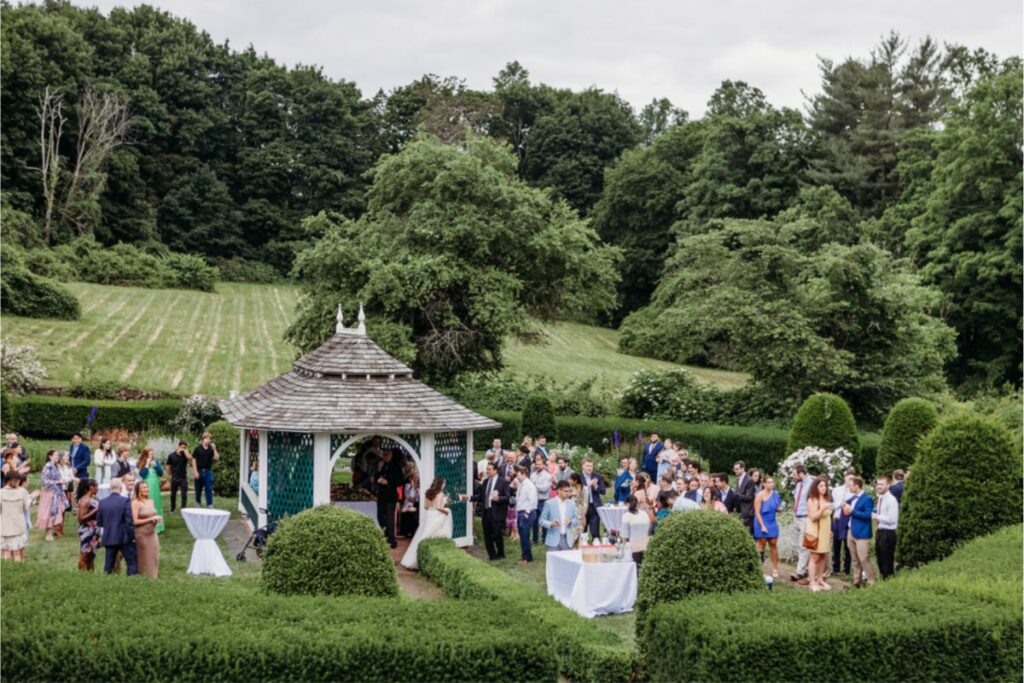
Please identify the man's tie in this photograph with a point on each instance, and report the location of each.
(490, 489)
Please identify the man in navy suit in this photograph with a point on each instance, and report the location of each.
(81, 456)
(725, 494)
(860, 507)
(115, 516)
(493, 497)
(650, 461)
(745, 493)
(595, 482)
(897, 486)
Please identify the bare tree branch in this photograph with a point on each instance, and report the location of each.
(51, 127)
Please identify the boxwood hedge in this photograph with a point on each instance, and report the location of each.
(60, 625)
(586, 652)
(907, 423)
(826, 421)
(58, 416)
(225, 471)
(945, 622)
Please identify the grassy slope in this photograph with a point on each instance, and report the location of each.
(189, 342)
(574, 351)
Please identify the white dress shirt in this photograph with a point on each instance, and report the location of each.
(888, 512)
(526, 497)
(839, 496)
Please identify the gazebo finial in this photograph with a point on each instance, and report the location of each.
(340, 327)
(362, 320)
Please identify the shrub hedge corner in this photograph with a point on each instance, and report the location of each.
(826, 421)
(907, 423)
(539, 416)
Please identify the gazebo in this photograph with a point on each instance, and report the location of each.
(298, 424)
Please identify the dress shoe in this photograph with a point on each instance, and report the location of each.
(803, 582)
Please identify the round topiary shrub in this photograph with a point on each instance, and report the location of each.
(225, 471)
(908, 422)
(329, 551)
(825, 421)
(539, 416)
(964, 483)
(694, 553)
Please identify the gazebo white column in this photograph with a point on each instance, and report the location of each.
(426, 466)
(321, 468)
(263, 479)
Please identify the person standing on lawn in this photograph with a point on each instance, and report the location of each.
(80, 456)
(52, 500)
(88, 527)
(559, 518)
(204, 455)
(105, 459)
(897, 486)
(860, 508)
(180, 462)
(115, 517)
(594, 483)
(651, 451)
(150, 472)
(888, 516)
(526, 511)
(493, 497)
(15, 501)
(746, 489)
(800, 493)
(542, 481)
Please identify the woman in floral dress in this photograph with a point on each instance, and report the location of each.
(52, 500)
(88, 529)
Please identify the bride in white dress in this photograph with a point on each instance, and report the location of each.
(435, 522)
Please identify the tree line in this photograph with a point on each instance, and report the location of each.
(881, 221)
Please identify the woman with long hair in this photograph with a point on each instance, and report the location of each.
(646, 492)
(15, 501)
(52, 501)
(819, 527)
(636, 529)
(435, 522)
(88, 528)
(105, 458)
(150, 472)
(766, 528)
(147, 543)
(709, 501)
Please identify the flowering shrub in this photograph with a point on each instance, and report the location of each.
(575, 454)
(197, 412)
(21, 370)
(817, 461)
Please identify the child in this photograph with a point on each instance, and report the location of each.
(67, 475)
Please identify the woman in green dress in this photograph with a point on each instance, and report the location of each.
(150, 472)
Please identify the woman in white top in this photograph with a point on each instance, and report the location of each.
(636, 528)
(435, 522)
(105, 458)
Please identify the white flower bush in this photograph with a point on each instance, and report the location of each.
(574, 453)
(196, 414)
(817, 461)
(21, 370)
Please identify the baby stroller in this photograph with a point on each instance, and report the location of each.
(258, 540)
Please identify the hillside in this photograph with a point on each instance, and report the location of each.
(185, 342)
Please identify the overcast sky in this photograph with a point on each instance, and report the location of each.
(680, 49)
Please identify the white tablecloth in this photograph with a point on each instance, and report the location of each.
(611, 516)
(205, 525)
(589, 588)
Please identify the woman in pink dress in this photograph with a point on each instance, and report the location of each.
(52, 501)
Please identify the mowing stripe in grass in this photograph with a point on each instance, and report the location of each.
(144, 350)
(211, 346)
(190, 339)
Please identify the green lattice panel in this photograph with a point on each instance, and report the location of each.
(337, 440)
(450, 463)
(289, 473)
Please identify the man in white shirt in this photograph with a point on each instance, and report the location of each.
(841, 558)
(800, 493)
(526, 512)
(494, 454)
(543, 482)
(887, 514)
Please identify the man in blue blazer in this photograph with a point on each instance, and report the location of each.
(560, 518)
(651, 450)
(115, 516)
(859, 507)
(81, 456)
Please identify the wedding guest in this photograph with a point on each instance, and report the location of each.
(510, 515)
(564, 470)
(766, 528)
(684, 504)
(388, 481)
(204, 456)
(525, 458)
(52, 500)
(667, 483)
(665, 456)
(581, 499)
(756, 477)
(666, 500)
(552, 465)
(118, 537)
(819, 526)
(542, 481)
(745, 492)
(150, 472)
(542, 446)
(254, 480)
(88, 525)
(800, 495)
(180, 462)
(11, 466)
(841, 526)
(559, 518)
(105, 459)
(646, 492)
(860, 507)
(493, 497)
(19, 450)
(896, 489)
(15, 501)
(121, 465)
(887, 516)
(725, 494)
(80, 456)
(650, 460)
(710, 500)
(67, 475)
(493, 454)
(127, 485)
(146, 519)
(636, 530)
(526, 510)
(624, 481)
(594, 483)
(693, 490)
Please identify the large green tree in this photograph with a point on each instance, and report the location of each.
(453, 254)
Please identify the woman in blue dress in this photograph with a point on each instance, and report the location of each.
(766, 528)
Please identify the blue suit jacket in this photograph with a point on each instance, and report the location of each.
(115, 516)
(550, 514)
(622, 487)
(860, 516)
(650, 463)
(81, 460)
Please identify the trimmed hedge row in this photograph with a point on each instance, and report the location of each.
(59, 416)
(225, 631)
(586, 652)
(722, 445)
(964, 614)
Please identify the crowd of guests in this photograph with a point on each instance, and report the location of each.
(119, 509)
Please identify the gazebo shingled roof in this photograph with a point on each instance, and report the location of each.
(349, 384)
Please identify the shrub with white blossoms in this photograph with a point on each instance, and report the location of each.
(196, 414)
(20, 367)
(575, 454)
(817, 461)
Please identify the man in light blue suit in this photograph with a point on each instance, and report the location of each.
(560, 518)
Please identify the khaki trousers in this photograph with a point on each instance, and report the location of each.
(861, 559)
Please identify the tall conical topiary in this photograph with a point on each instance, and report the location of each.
(964, 483)
(825, 421)
(908, 422)
(539, 416)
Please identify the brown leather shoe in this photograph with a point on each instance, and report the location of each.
(803, 582)
(797, 577)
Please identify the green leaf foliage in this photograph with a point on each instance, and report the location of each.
(586, 652)
(965, 482)
(225, 471)
(539, 416)
(908, 422)
(825, 421)
(452, 256)
(247, 635)
(329, 551)
(692, 553)
(56, 417)
(963, 612)
(27, 294)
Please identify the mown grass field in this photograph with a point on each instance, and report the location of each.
(187, 342)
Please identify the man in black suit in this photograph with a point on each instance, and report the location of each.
(389, 481)
(726, 494)
(115, 517)
(493, 497)
(595, 482)
(745, 492)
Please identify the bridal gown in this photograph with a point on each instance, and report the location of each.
(434, 524)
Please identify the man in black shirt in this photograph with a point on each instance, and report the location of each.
(179, 463)
(202, 462)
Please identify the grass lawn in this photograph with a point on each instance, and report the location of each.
(574, 352)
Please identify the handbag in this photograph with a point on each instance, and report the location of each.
(810, 540)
